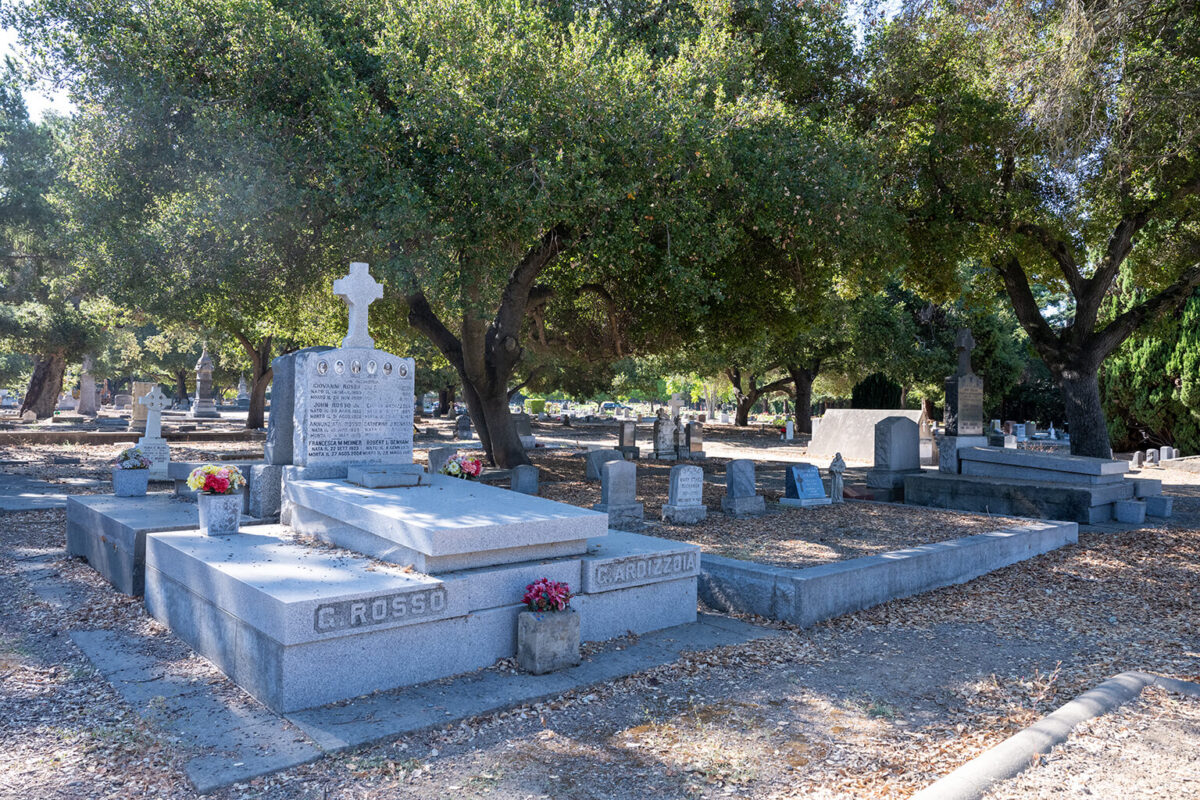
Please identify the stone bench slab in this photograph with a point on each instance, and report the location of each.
(1081, 465)
(451, 524)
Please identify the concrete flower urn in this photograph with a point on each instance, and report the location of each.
(220, 514)
(130, 482)
(547, 640)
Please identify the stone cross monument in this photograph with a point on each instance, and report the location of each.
(152, 445)
(964, 392)
(359, 290)
(203, 406)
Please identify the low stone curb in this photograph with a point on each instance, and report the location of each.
(807, 596)
(124, 435)
(1017, 753)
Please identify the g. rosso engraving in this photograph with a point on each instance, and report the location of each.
(378, 610)
(635, 569)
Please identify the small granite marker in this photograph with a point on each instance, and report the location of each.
(627, 439)
(741, 498)
(152, 445)
(596, 460)
(524, 479)
(462, 426)
(438, 456)
(804, 486)
(618, 495)
(685, 500)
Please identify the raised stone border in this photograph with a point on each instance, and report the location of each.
(807, 596)
(1016, 753)
(118, 437)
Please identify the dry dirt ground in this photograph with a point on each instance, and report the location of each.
(871, 705)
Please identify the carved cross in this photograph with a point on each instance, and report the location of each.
(154, 401)
(964, 343)
(358, 290)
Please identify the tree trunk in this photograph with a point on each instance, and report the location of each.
(44, 386)
(181, 377)
(1081, 395)
(445, 401)
(260, 360)
(802, 381)
(741, 416)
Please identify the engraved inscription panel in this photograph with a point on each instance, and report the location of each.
(633, 570)
(368, 611)
(970, 406)
(689, 490)
(355, 407)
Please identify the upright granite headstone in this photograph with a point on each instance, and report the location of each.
(789, 431)
(152, 444)
(595, 461)
(694, 436)
(685, 498)
(897, 455)
(462, 426)
(627, 439)
(741, 495)
(675, 404)
(618, 495)
(964, 392)
(1165, 453)
(964, 408)
(438, 456)
(354, 404)
(203, 406)
(524, 430)
(137, 411)
(524, 479)
(281, 423)
(803, 486)
(1138, 459)
(87, 389)
(664, 436)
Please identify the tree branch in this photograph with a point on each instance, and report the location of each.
(422, 317)
(1026, 307)
(1172, 297)
(1058, 250)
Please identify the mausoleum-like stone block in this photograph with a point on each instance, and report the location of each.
(547, 641)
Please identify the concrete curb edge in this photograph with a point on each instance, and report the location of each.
(1016, 753)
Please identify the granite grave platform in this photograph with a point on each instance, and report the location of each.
(299, 626)
(110, 532)
(1024, 483)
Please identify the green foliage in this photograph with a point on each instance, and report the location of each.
(1151, 385)
(876, 391)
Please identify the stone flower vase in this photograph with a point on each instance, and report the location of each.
(220, 514)
(130, 482)
(547, 640)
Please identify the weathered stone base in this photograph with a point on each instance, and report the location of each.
(630, 453)
(805, 597)
(1158, 506)
(323, 625)
(738, 507)
(804, 502)
(1077, 503)
(110, 532)
(629, 517)
(684, 515)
